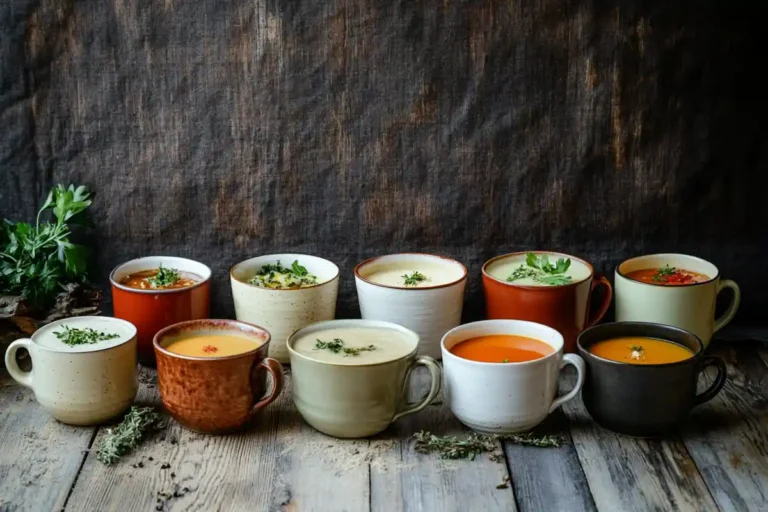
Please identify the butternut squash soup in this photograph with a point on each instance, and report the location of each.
(501, 348)
(162, 278)
(640, 350)
(212, 345)
(667, 276)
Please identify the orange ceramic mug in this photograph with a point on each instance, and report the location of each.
(153, 309)
(562, 300)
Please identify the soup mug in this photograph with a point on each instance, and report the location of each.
(689, 306)
(216, 395)
(644, 400)
(506, 398)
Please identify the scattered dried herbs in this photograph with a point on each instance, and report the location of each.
(451, 447)
(87, 336)
(128, 434)
(337, 345)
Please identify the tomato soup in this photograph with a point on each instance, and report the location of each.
(667, 276)
(502, 348)
(160, 279)
(212, 345)
(639, 350)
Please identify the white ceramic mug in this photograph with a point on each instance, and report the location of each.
(86, 385)
(689, 306)
(505, 398)
(283, 311)
(429, 311)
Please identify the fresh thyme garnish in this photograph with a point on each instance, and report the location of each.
(450, 447)
(279, 277)
(664, 272)
(337, 345)
(128, 434)
(542, 271)
(164, 277)
(87, 336)
(414, 279)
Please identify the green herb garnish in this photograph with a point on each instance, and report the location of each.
(538, 268)
(450, 447)
(664, 272)
(337, 345)
(87, 336)
(414, 279)
(637, 351)
(128, 434)
(505, 361)
(279, 277)
(164, 277)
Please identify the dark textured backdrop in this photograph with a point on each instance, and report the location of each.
(222, 130)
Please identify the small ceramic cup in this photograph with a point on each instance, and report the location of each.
(429, 311)
(566, 308)
(152, 310)
(216, 395)
(82, 385)
(283, 311)
(353, 401)
(645, 400)
(689, 306)
(506, 398)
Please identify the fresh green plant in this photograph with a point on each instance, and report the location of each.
(664, 272)
(277, 276)
(128, 434)
(542, 271)
(414, 279)
(164, 277)
(74, 336)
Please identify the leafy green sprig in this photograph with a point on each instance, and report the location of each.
(277, 276)
(337, 345)
(539, 268)
(87, 336)
(128, 434)
(414, 279)
(165, 277)
(662, 273)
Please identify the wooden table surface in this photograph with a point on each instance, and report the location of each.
(717, 461)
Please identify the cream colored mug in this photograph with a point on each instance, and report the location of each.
(689, 306)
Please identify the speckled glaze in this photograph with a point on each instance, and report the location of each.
(79, 388)
(152, 310)
(505, 398)
(283, 311)
(216, 395)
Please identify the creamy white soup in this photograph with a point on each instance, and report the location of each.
(354, 345)
(416, 273)
(516, 270)
(84, 334)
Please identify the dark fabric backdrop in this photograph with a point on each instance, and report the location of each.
(220, 130)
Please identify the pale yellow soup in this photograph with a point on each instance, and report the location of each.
(365, 345)
(212, 345)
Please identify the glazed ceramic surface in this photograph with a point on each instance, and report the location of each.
(690, 307)
(429, 311)
(566, 308)
(353, 401)
(505, 398)
(283, 311)
(216, 395)
(152, 310)
(644, 400)
(83, 386)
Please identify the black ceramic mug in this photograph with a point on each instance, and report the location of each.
(644, 400)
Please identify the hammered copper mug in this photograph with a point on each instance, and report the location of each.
(216, 395)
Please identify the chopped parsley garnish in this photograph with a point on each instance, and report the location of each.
(542, 271)
(279, 277)
(414, 279)
(164, 277)
(87, 336)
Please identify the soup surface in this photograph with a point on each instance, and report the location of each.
(669, 276)
(502, 348)
(162, 278)
(212, 345)
(277, 277)
(536, 269)
(418, 273)
(638, 350)
(354, 345)
(83, 334)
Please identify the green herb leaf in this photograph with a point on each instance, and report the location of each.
(414, 279)
(298, 270)
(542, 271)
(337, 345)
(128, 434)
(279, 277)
(521, 273)
(450, 447)
(87, 336)
(662, 273)
(164, 277)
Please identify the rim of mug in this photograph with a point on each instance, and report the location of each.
(151, 291)
(59, 322)
(353, 321)
(223, 324)
(431, 255)
(335, 277)
(447, 352)
(534, 287)
(618, 271)
(586, 353)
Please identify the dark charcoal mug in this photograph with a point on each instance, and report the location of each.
(644, 400)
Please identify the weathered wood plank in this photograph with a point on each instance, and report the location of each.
(728, 436)
(39, 457)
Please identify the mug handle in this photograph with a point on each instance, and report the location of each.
(434, 371)
(274, 367)
(603, 309)
(578, 362)
(22, 377)
(716, 386)
(732, 307)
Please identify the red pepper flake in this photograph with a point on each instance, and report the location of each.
(210, 349)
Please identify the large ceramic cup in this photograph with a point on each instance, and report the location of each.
(283, 311)
(505, 398)
(644, 400)
(152, 310)
(566, 308)
(216, 395)
(84, 384)
(689, 306)
(430, 309)
(356, 400)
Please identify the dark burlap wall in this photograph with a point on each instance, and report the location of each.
(220, 130)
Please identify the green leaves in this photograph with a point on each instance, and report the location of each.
(337, 345)
(278, 277)
(542, 263)
(662, 273)
(414, 279)
(127, 436)
(164, 277)
(74, 336)
(298, 270)
(538, 268)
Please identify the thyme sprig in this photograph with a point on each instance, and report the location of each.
(337, 345)
(73, 336)
(164, 277)
(414, 279)
(451, 447)
(128, 434)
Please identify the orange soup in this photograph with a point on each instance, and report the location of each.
(638, 350)
(212, 345)
(501, 348)
(667, 276)
(160, 279)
